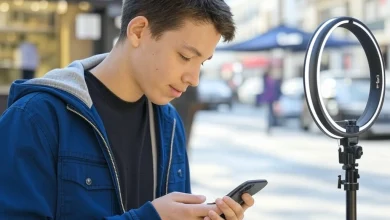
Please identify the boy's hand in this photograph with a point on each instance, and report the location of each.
(179, 206)
(231, 209)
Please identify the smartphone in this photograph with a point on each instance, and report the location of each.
(250, 186)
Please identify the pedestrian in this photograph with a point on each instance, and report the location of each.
(270, 96)
(99, 139)
(28, 58)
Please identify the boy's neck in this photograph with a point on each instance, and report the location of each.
(117, 76)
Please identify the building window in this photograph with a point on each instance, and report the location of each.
(370, 10)
(324, 15)
(374, 12)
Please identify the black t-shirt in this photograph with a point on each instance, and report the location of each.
(128, 130)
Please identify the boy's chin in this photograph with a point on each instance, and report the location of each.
(161, 101)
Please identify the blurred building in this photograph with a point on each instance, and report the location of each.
(67, 30)
(246, 16)
(61, 30)
(256, 17)
(375, 14)
(110, 13)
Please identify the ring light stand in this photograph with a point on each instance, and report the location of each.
(347, 131)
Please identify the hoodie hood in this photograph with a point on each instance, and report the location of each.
(67, 83)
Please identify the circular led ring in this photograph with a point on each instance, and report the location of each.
(312, 77)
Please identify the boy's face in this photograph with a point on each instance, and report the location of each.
(164, 68)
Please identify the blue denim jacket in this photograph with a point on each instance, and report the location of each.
(55, 158)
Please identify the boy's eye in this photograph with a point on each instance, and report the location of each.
(184, 58)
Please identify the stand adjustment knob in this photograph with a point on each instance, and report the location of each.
(340, 182)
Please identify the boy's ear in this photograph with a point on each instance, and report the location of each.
(136, 29)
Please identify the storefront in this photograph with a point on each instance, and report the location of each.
(50, 26)
(110, 15)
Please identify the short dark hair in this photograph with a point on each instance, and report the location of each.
(165, 15)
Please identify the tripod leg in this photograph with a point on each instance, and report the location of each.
(351, 205)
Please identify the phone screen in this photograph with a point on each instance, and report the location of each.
(250, 186)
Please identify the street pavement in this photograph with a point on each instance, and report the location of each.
(230, 147)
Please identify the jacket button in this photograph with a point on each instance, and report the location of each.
(88, 181)
(180, 173)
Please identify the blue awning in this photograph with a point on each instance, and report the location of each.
(283, 37)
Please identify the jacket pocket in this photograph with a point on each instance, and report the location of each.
(178, 173)
(88, 175)
(177, 177)
(86, 190)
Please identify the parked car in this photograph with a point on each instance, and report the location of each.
(249, 90)
(346, 98)
(213, 92)
(290, 102)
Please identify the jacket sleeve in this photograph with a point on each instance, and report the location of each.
(27, 167)
(145, 212)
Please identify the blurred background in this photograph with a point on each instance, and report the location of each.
(248, 118)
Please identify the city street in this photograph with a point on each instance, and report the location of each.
(228, 148)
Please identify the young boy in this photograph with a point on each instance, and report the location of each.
(98, 139)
